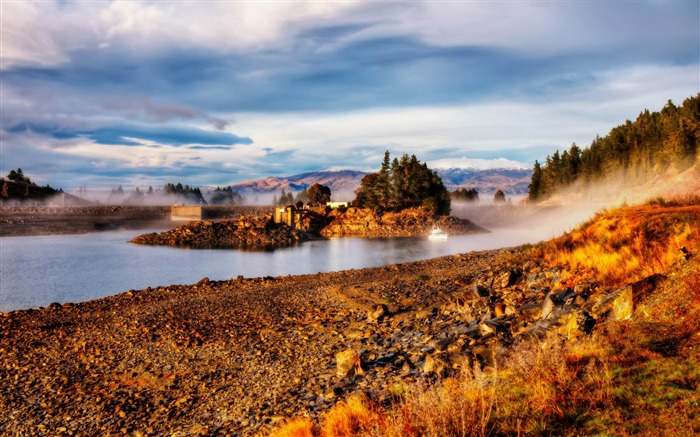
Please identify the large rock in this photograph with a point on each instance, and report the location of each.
(378, 313)
(480, 291)
(574, 324)
(621, 303)
(348, 363)
(435, 363)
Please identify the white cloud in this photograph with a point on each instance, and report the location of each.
(41, 33)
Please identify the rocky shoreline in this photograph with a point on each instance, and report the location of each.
(235, 357)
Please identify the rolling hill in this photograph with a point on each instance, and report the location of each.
(511, 181)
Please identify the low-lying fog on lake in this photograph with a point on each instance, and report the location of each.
(37, 271)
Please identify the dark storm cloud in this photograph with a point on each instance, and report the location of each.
(130, 134)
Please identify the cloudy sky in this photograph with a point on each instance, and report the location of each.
(211, 93)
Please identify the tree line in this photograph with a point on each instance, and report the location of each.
(20, 187)
(635, 151)
(183, 193)
(403, 183)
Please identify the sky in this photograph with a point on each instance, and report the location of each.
(210, 93)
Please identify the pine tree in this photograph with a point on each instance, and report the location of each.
(535, 189)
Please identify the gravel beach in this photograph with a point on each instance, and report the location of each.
(233, 357)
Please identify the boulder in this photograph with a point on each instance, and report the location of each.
(480, 291)
(378, 313)
(435, 363)
(621, 303)
(348, 363)
(548, 305)
(510, 278)
(488, 327)
(575, 324)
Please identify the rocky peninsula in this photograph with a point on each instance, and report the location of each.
(248, 232)
(261, 231)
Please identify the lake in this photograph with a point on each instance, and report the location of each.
(36, 271)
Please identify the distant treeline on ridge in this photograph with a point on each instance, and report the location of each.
(633, 151)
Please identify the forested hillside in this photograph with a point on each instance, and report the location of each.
(631, 154)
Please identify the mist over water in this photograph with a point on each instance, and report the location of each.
(536, 223)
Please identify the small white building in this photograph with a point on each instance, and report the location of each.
(335, 205)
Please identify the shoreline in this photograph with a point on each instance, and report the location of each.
(257, 348)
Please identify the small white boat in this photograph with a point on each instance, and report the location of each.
(437, 234)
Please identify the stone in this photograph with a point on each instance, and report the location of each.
(480, 291)
(459, 361)
(378, 313)
(575, 324)
(510, 278)
(531, 311)
(548, 305)
(621, 303)
(488, 327)
(348, 363)
(435, 363)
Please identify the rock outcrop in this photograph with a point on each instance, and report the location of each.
(248, 232)
(414, 222)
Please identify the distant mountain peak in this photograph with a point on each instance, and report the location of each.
(513, 180)
(478, 164)
(336, 180)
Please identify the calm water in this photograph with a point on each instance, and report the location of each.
(36, 271)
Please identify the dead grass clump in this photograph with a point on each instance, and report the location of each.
(461, 406)
(553, 388)
(299, 427)
(352, 416)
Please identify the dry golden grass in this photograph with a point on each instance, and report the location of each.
(299, 427)
(460, 406)
(350, 417)
(624, 245)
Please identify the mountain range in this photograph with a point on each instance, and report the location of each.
(513, 181)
